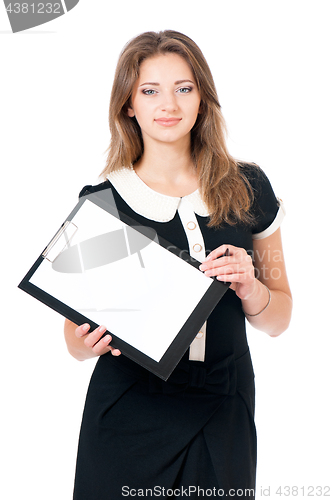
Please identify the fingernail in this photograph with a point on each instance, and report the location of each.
(107, 339)
(201, 267)
(102, 329)
(86, 327)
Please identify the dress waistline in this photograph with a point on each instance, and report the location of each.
(222, 378)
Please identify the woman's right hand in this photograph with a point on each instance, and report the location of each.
(93, 340)
(83, 344)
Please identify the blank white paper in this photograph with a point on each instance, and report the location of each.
(144, 306)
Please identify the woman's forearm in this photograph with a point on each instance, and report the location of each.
(274, 319)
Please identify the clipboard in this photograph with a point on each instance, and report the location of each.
(101, 267)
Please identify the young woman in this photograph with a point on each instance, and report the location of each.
(168, 168)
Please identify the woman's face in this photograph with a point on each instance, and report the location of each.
(165, 100)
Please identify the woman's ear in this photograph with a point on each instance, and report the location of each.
(200, 109)
(130, 112)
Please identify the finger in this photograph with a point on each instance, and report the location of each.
(220, 251)
(213, 264)
(219, 270)
(239, 257)
(102, 347)
(233, 278)
(94, 336)
(82, 330)
(115, 352)
(228, 270)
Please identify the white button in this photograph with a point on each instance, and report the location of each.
(197, 247)
(199, 335)
(191, 225)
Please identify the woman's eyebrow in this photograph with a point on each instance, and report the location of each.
(149, 83)
(183, 81)
(178, 82)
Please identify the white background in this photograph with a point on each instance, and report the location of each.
(271, 63)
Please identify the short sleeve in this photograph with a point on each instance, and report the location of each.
(89, 189)
(84, 191)
(267, 209)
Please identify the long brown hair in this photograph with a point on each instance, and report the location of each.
(223, 184)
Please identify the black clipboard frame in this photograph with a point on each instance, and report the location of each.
(187, 333)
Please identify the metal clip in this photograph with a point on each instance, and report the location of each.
(60, 241)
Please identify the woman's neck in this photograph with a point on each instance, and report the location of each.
(168, 170)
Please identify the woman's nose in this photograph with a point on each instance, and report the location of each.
(169, 102)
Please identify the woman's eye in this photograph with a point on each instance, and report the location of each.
(148, 92)
(185, 90)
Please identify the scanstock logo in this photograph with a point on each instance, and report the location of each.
(25, 15)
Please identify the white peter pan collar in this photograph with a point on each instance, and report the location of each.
(149, 203)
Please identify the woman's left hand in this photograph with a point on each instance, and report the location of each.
(236, 268)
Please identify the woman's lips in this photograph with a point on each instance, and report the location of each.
(168, 122)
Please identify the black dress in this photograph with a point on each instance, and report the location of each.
(193, 435)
